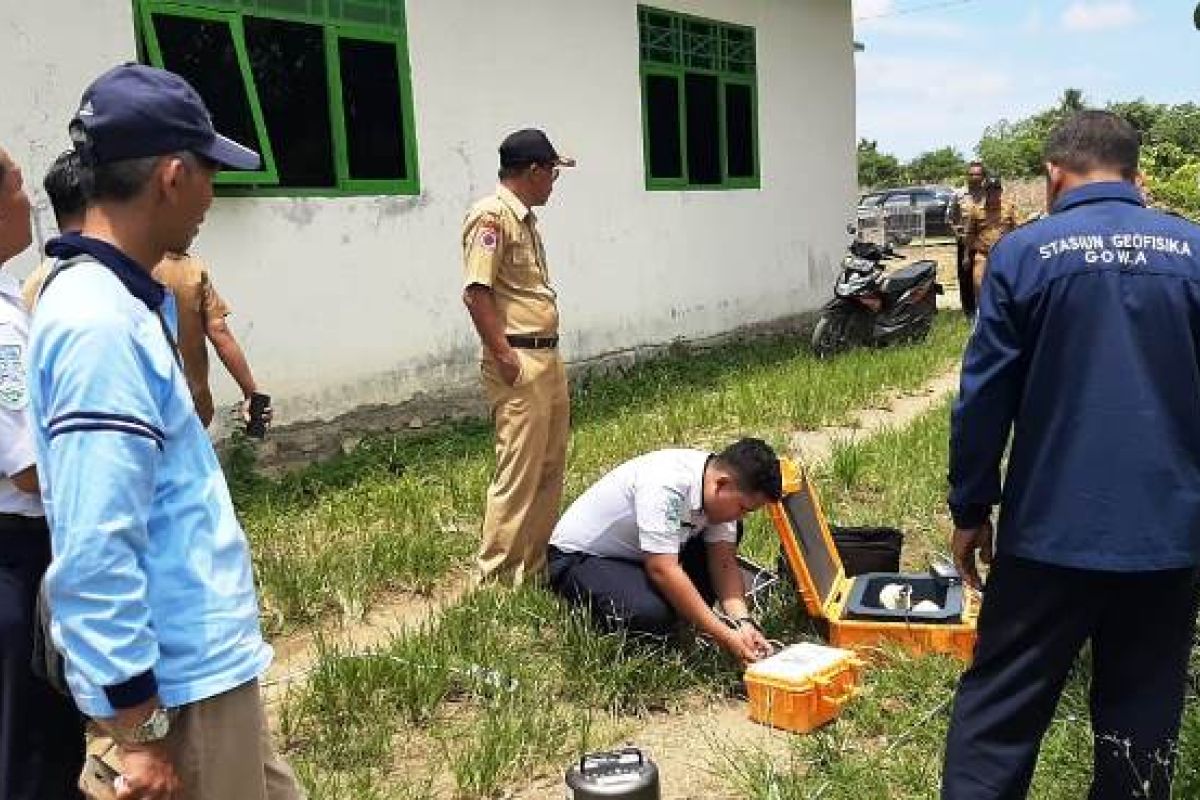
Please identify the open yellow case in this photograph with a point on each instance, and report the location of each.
(851, 607)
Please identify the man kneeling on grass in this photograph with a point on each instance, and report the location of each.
(656, 540)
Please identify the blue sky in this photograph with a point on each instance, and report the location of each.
(939, 76)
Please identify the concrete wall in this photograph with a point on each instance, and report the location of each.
(347, 302)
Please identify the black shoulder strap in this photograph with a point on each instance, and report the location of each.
(61, 265)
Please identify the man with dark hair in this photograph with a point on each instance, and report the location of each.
(515, 312)
(64, 187)
(968, 199)
(41, 732)
(656, 539)
(986, 223)
(1084, 351)
(151, 589)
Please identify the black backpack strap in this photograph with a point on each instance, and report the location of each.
(59, 266)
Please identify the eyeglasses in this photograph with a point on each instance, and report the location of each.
(551, 168)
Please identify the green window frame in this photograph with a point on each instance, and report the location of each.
(367, 22)
(708, 70)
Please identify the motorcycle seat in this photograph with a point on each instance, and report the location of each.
(911, 275)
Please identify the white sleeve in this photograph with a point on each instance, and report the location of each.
(16, 435)
(659, 511)
(723, 532)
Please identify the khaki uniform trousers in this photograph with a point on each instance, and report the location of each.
(221, 749)
(978, 271)
(532, 421)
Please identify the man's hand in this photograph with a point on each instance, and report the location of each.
(147, 774)
(509, 365)
(745, 644)
(965, 543)
(241, 411)
(750, 634)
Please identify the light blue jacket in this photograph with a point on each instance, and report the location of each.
(150, 588)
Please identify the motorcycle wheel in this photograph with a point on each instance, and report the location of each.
(831, 335)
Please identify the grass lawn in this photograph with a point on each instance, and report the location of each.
(508, 683)
(402, 513)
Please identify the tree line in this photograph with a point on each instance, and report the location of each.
(1013, 149)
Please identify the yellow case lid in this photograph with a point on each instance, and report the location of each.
(807, 543)
(801, 664)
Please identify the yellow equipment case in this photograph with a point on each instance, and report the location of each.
(802, 687)
(851, 606)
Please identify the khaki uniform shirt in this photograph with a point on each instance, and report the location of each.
(503, 250)
(966, 203)
(32, 286)
(197, 304)
(985, 225)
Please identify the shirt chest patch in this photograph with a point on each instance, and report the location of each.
(676, 513)
(13, 393)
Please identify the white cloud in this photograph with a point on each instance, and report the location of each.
(867, 9)
(949, 80)
(1098, 15)
(911, 104)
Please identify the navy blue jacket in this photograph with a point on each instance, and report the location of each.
(1087, 348)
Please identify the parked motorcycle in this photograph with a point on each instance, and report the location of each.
(872, 307)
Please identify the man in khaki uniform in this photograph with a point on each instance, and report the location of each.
(967, 200)
(202, 314)
(985, 224)
(507, 292)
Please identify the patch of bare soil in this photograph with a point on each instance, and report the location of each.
(898, 411)
(691, 749)
(296, 655)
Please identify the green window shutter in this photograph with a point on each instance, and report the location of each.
(322, 88)
(699, 87)
(207, 48)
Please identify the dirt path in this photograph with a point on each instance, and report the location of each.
(296, 655)
(690, 750)
(898, 411)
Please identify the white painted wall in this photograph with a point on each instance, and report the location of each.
(346, 302)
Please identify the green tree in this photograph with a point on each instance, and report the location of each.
(1179, 125)
(1142, 115)
(936, 166)
(1071, 102)
(1013, 149)
(875, 168)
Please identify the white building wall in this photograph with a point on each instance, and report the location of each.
(346, 302)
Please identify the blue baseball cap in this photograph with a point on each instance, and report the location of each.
(135, 111)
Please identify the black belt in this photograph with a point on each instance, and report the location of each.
(533, 342)
(19, 523)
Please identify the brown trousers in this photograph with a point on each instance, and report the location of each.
(221, 748)
(978, 271)
(532, 421)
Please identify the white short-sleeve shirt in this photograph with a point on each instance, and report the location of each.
(650, 505)
(17, 452)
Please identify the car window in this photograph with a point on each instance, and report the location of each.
(870, 199)
(924, 198)
(899, 200)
